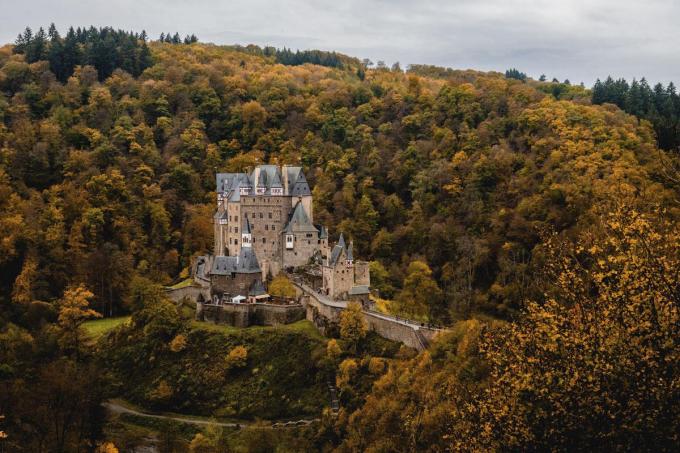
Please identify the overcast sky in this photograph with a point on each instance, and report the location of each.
(576, 39)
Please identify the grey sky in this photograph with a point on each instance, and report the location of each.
(576, 39)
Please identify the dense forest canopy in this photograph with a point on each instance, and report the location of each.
(660, 105)
(105, 49)
(542, 228)
(464, 171)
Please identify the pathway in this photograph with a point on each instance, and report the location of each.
(117, 408)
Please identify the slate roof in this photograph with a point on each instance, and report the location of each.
(257, 289)
(225, 182)
(244, 263)
(276, 180)
(350, 255)
(339, 248)
(292, 181)
(297, 184)
(335, 254)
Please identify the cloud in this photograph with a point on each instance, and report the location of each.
(576, 39)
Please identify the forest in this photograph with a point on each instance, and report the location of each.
(537, 219)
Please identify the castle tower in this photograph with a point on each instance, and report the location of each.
(246, 235)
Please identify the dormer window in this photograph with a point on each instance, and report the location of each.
(244, 190)
(277, 191)
(290, 241)
(261, 190)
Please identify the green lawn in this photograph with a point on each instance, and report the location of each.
(303, 326)
(99, 327)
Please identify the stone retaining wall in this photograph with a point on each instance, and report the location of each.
(325, 314)
(417, 337)
(189, 292)
(245, 315)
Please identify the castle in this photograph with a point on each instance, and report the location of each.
(264, 225)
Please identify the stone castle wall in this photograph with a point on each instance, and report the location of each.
(267, 215)
(361, 273)
(189, 292)
(238, 284)
(414, 337)
(303, 249)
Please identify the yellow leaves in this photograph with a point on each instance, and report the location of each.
(107, 447)
(281, 286)
(376, 366)
(178, 343)
(74, 307)
(162, 393)
(237, 357)
(22, 292)
(333, 350)
(352, 325)
(347, 370)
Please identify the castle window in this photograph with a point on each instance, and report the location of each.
(235, 229)
(270, 215)
(273, 227)
(261, 215)
(266, 227)
(309, 235)
(264, 240)
(236, 218)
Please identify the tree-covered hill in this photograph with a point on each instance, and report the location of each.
(476, 196)
(464, 171)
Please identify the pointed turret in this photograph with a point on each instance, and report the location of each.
(261, 187)
(323, 233)
(246, 235)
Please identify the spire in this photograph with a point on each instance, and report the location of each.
(350, 256)
(341, 241)
(276, 180)
(246, 235)
(323, 234)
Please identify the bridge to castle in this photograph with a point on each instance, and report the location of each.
(321, 309)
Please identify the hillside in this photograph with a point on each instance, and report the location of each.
(464, 172)
(542, 229)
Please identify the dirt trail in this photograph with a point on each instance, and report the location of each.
(118, 408)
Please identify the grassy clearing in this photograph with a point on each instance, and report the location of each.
(99, 327)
